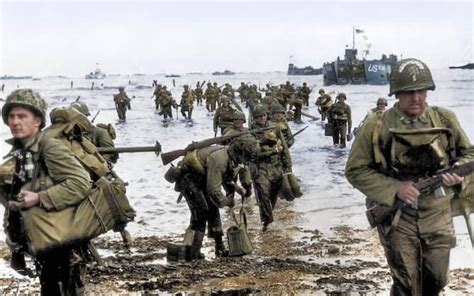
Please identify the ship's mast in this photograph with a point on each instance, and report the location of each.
(353, 37)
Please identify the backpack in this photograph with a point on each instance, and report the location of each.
(109, 128)
(106, 207)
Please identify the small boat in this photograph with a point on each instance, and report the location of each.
(172, 75)
(226, 72)
(308, 70)
(97, 74)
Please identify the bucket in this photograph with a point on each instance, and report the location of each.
(238, 238)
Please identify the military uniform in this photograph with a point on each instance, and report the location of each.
(394, 148)
(66, 183)
(198, 93)
(323, 102)
(303, 93)
(204, 172)
(122, 103)
(187, 102)
(243, 90)
(167, 103)
(223, 116)
(267, 171)
(339, 115)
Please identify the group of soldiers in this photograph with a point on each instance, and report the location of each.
(392, 150)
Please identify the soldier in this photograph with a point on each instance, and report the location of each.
(199, 93)
(323, 102)
(304, 92)
(409, 141)
(187, 102)
(339, 116)
(243, 90)
(377, 111)
(267, 170)
(223, 116)
(279, 120)
(167, 102)
(61, 270)
(297, 102)
(122, 103)
(156, 94)
(228, 91)
(101, 135)
(203, 172)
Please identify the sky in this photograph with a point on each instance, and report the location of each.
(42, 38)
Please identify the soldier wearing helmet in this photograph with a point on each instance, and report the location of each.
(323, 102)
(187, 102)
(340, 117)
(274, 160)
(122, 103)
(409, 141)
(101, 135)
(223, 115)
(64, 182)
(303, 93)
(381, 106)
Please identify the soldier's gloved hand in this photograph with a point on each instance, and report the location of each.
(220, 200)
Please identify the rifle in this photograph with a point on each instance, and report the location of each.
(95, 116)
(297, 133)
(172, 155)
(109, 150)
(378, 214)
(309, 115)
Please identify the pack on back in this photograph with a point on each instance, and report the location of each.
(105, 208)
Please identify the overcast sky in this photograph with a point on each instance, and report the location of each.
(68, 38)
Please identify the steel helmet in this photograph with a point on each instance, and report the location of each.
(321, 91)
(382, 100)
(410, 74)
(238, 116)
(26, 98)
(277, 108)
(341, 95)
(259, 110)
(81, 107)
(121, 88)
(243, 148)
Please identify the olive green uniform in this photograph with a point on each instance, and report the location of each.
(303, 93)
(267, 172)
(122, 103)
(339, 115)
(187, 103)
(323, 102)
(418, 247)
(67, 183)
(204, 172)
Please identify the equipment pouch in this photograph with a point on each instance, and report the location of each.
(419, 151)
(237, 236)
(328, 129)
(378, 214)
(105, 208)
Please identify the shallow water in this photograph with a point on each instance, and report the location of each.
(329, 200)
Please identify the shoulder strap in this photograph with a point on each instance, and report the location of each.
(433, 114)
(376, 138)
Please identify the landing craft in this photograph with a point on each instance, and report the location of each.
(97, 74)
(352, 70)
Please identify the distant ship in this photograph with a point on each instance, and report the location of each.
(469, 66)
(5, 77)
(308, 70)
(172, 75)
(97, 74)
(352, 70)
(226, 72)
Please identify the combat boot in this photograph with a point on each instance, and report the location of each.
(220, 249)
(194, 238)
